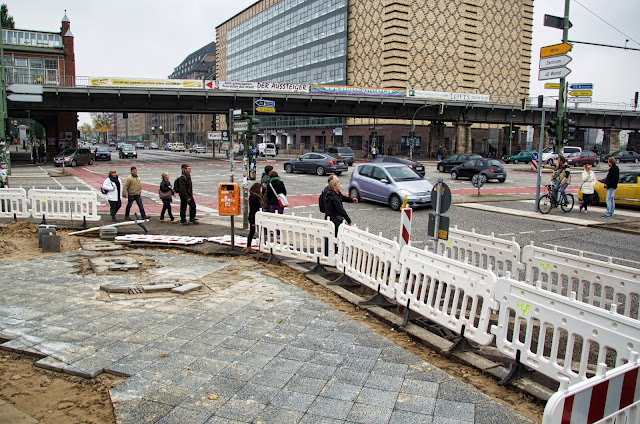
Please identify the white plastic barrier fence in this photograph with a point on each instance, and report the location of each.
(597, 283)
(64, 204)
(371, 260)
(14, 201)
(150, 238)
(296, 237)
(611, 397)
(559, 336)
(453, 294)
(486, 252)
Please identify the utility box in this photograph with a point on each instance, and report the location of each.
(228, 199)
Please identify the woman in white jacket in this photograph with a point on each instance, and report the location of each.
(112, 188)
(588, 181)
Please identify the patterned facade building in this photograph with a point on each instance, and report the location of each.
(464, 46)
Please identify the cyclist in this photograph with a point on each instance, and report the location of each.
(562, 177)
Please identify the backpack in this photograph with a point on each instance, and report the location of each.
(321, 201)
(176, 185)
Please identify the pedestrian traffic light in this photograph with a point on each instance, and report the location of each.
(253, 127)
(553, 128)
(569, 129)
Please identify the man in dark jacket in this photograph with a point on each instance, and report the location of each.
(275, 187)
(344, 197)
(611, 183)
(185, 190)
(333, 205)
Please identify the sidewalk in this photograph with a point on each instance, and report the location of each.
(247, 347)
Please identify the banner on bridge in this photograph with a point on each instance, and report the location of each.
(141, 82)
(256, 86)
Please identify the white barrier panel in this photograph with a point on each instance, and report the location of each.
(595, 282)
(150, 238)
(14, 201)
(371, 260)
(486, 252)
(560, 336)
(611, 397)
(296, 237)
(449, 292)
(64, 204)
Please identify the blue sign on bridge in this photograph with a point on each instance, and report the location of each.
(265, 103)
(587, 86)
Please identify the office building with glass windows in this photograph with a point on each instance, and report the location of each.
(462, 46)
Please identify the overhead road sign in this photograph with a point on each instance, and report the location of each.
(32, 98)
(545, 74)
(581, 86)
(214, 135)
(241, 126)
(555, 50)
(552, 85)
(25, 88)
(265, 103)
(266, 109)
(581, 93)
(579, 99)
(555, 22)
(554, 61)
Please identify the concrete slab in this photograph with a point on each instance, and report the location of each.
(153, 288)
(103, 264)
(187, 288)
(50, 243)
(9, 414)
(98, 245)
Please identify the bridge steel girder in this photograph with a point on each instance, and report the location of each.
(141, 100)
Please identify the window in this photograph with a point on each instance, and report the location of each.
(51, 63)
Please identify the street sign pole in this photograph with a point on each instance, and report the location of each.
(229, 127)
(540, 146)
(436, 232)
(3, 112)
(563, 82)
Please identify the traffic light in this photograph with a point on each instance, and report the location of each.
(553, 128)
(213, 124)
(125, 115)
(253, 127)
(569, 129)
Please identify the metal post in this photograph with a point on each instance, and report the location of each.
(510, 135)
(229, 127)
(436, 230)
(3, 108)
(542, 119)
(562, 93)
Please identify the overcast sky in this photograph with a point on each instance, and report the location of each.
(145, 38)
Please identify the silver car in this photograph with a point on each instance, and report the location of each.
(74, 157)
(389, 183)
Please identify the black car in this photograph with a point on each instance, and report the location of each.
(344, 153)
(317, 163)
(446, 165)
(103, 153)
(625, 156)
(416, 166)
(490, 168)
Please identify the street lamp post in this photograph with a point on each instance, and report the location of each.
(412, 133)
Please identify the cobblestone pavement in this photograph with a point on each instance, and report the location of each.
(248, 348)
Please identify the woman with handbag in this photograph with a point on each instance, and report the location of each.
(166, 195)
(588, 181)
(112, 189)
(276, 189)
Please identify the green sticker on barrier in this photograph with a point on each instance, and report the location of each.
(545, 267)
(523, 308)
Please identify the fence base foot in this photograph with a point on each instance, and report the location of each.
(84, 225)
(516, 371)
(461, 345)
(273, 259)
(318, 269)
(343, 281)
(406, 315)
(377, 300)
(15, 217)
(44, 220)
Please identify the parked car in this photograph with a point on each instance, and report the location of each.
(625, 156)
(178, 147)
(491, 169)
(582, 158)
(73, 157)
(627, 193)
(389, 183)
(266, 149)
(549, 154)
(416, 166)
(345, 153)
(168, 146)
(318, 163)
(446, 165)
(197, 148)
(128, 151)
(153, 146)
(103, 153)
(521, 156)
(140, 145)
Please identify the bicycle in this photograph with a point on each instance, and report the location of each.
(547, 201)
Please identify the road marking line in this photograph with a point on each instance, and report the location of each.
(527, 232)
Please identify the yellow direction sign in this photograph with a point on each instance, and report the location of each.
(552, 85)
(581, 93)
(266, 109)
(555, 50)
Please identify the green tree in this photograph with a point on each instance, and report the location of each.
(103, 123)
(5, 18)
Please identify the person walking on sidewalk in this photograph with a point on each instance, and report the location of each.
(112, 188)
(588, 181)
(333, 205)
(166, 194)
(132, 190)
(185, 190)
(611, 184)
(42, 154)
(275, 187)
(255, 204)
(344, 197)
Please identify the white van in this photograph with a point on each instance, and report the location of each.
(267, 149)
(549, 157)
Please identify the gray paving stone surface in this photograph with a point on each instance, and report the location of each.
(250, 349)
